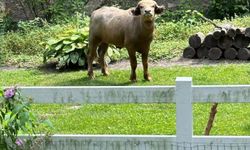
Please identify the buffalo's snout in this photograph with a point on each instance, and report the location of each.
(147, 11)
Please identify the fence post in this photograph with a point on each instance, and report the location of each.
(184, 116)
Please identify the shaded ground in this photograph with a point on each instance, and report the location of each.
(177, 62)
(124, 64)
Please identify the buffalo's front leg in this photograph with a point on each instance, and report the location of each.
(145, 67)
(133, 63)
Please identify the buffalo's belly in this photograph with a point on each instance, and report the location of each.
(115, 38)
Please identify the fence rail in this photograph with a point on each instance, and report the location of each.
(183, 94)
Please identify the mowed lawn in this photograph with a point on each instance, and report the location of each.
(231, 119)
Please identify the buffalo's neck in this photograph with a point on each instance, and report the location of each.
(147, 28)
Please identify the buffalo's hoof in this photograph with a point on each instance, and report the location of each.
(91, 76)
(105, 73)
(148, 78)
(133, 80)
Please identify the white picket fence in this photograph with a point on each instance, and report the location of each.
(183, 94)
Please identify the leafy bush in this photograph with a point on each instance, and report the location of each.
(220, 9)
(26, 41)
(31, 24)
(60, 10)
(16, 118)
(6, 24)
(69, 49)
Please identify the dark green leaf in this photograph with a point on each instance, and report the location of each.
(110, 51)
(58, 47)
(18, 108)
(74, 56)
(80, 45)
(66, 42)
(48, 123)
(67, 48)
(75, 37)
(81, 62)
(53, 41)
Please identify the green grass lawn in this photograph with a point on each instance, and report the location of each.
(219, 74)
(232, 119)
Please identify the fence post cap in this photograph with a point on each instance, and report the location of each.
(189, 79)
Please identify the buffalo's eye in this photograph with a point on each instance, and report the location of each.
(140, 7)
(153, 6)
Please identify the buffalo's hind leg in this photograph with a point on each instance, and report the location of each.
(93, 43)
(102, 51)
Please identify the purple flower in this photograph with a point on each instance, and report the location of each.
(9, 93)
(19, 142)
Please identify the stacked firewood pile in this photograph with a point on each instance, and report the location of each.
(224, 42)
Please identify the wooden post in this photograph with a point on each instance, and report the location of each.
(184, 116)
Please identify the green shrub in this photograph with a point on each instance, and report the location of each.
(23, 43)
(16, 118)
(69, 49)
(220, 9)
(31, 24)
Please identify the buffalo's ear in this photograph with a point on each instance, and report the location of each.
(136, 11)
(159, 9)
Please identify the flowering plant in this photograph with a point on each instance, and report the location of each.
(15, 118)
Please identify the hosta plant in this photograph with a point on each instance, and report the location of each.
(70, 48)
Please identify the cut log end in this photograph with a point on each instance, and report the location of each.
(247, 32)
(243, 54)
(214, 53)
(189, 52)
(210, 41)
(202, 52)
(217, 34)
(241, 41)
(230, 53)
(196, 40)
(231, 32)
(225, 42)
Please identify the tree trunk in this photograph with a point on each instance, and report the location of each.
(225, 42)
(202, 52)
(196, 40)
(214, 53)
(243, 54)
(210, 41)
(230, 53)
(211, 118)
(189, 52)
